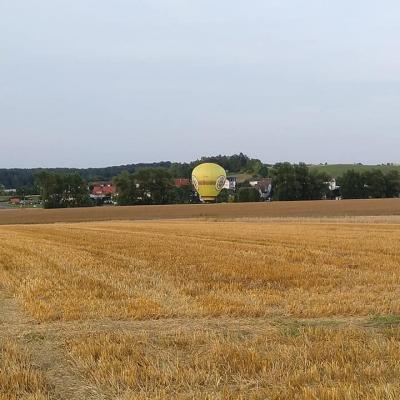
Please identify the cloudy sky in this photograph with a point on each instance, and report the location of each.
(100, 82)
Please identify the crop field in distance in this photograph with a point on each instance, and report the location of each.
(268, 308)
(279, 209)
(337, 170)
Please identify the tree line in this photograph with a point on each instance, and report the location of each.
(152, 186)
(156, 186)
(24, 179)
(147, 186)
(369, 184)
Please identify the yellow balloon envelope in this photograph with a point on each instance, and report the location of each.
(208, 179)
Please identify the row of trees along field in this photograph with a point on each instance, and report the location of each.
(369, 184)
(154, 185)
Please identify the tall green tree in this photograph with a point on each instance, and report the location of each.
(297, 182)
(224, 196)
(352, 185)
(182, 195)
(146, 186)
(374, 184)
(46, 181)
(28, 190)
(264, 171)
(286, 186)
(392, 184)
(62, 190)
(127, 189)
(247, 194)
(153, 185)
(318, 185)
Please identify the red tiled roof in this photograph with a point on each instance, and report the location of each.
(182, 182)
(15, 200)
(104, 190)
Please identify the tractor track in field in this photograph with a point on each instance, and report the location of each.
(44, 342)
(13, 322)
(45, 351)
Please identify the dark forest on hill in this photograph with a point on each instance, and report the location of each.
(25, 178)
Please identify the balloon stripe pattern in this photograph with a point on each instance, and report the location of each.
(208, 179)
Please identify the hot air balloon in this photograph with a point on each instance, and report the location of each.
(208, 179)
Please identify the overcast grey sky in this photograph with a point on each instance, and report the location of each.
(106, 82)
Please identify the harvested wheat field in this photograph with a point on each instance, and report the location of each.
(201, 309)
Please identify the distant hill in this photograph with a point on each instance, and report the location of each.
(336, 170)
(19, 178)
(239, 165)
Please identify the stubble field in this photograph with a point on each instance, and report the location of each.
(201, 309)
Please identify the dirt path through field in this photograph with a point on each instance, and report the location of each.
(45, 350)
(10, 314)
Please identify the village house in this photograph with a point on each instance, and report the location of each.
(15, 201)
(264, 186)
(230, 183)
(103, 192)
